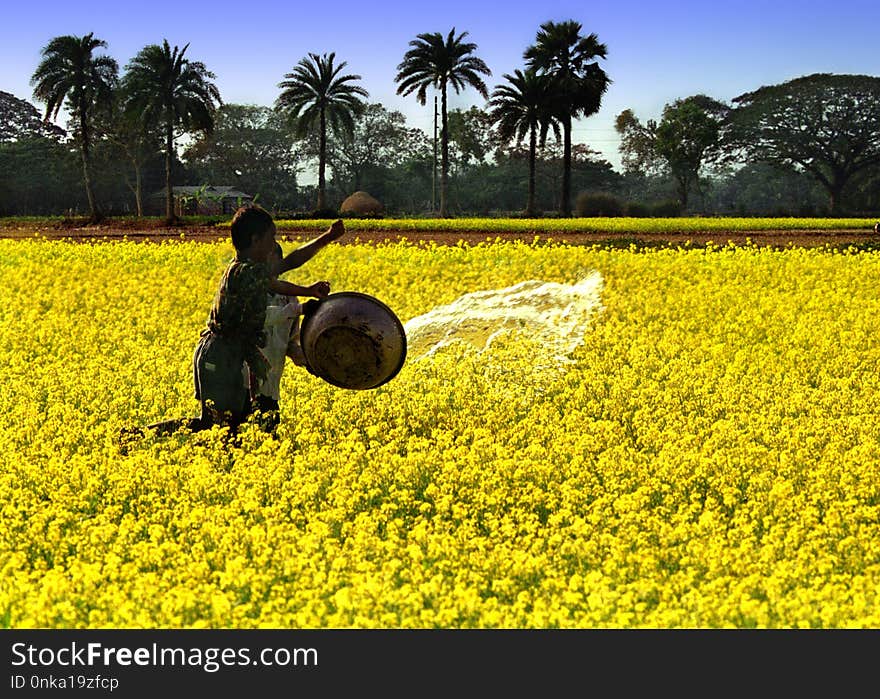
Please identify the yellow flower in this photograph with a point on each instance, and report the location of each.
(705, 455)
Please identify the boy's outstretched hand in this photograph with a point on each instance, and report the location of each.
(337, 230)
(320, 289)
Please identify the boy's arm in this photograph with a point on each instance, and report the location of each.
(303, 254)
(318, 290)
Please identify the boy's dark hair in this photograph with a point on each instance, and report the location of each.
(248, 222)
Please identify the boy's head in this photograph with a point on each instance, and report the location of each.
(250, 225)
(273, 259)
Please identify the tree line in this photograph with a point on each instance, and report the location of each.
(806, 147)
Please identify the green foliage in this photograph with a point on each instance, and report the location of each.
(19, 119)
(826, 125)
(763, 189)
(637, 209)
(637, 152)
(562, 53)
(315, 94)
(617, 225)
(382, 156)
(523, 108)
(589, 204)
(669, 208)
(71, 72)
(250, 149)
(470, 131)
(356, 215)
(39, 176)
(687, 138)
(435, 61)
(323, 214)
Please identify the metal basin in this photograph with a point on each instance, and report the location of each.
(352, 340)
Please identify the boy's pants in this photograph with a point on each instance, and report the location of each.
(218, 381)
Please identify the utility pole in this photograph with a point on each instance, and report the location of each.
(434, 167)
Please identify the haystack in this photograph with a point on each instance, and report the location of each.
(361, 204)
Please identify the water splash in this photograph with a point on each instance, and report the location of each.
(553, 314)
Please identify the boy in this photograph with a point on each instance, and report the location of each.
(282, 341)
(234, 332)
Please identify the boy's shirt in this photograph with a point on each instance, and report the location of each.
(238, 312)
(282, 312)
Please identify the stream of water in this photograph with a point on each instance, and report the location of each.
(553, 314)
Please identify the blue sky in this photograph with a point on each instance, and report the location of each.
(657, 51)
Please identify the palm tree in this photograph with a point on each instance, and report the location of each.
(137, 141)
(438, 62)
(524, 107)
(70, 70)
(166, 89)
(315, 93)
(561, 53)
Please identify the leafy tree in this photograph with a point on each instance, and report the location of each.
(826, 125)
(637, 152)
(409, 186)
(763, 189)
(316, 93)
(523, 108)
(497, 187)
(864, 192)
(440, 63)
(687, 138)
(589, 172)
(406, 184)
(70, 73)
(578, 82)
(167, 90)
(40, 173)
(133, 141)
(644, 188)
(364, 158)
(39, 176)
(19, 119)
(249, 147)
(471, 133)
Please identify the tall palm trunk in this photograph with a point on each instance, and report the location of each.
(322, 161)
(566, 167)
(138, 188)
(444, 152)
(94, 213)
(169, 193)
(533, 143)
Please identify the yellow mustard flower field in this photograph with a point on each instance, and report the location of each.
(696, 446)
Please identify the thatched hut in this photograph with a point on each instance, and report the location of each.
(361, 204)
